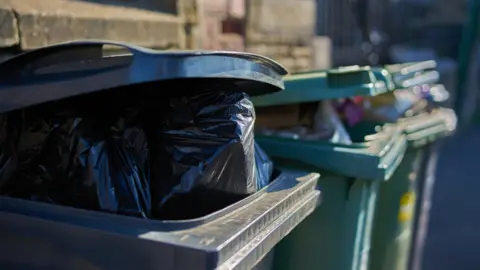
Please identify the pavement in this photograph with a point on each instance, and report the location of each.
(453, 237)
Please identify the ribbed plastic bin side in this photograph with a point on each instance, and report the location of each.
(43, 236)
(401, 201)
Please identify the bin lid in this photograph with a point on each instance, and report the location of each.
(79, 67)
(325, 84)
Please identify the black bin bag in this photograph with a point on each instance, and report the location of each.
(142, 148)
(204, 152)
(89, 156)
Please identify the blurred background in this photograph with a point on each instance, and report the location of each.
(304, 35)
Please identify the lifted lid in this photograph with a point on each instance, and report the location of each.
(80, 67)
(336, 83)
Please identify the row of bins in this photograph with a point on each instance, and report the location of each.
(335, 201)
(370, 207)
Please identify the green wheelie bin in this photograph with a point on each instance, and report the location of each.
(399, 203)
(337, 235)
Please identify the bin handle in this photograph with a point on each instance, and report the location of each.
(60, 53)
(93, 49)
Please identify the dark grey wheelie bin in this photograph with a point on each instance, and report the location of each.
(46, 236)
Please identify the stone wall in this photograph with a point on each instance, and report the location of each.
(280, 29)
(29, 24)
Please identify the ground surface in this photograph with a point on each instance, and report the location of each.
(453, 238)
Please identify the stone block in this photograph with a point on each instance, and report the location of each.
(321, 53)
(280, 21)
(303, 63)
(269, 50)
(301, 51)
(8, 27)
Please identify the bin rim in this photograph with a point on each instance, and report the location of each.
(375, 159)
(313, 86)
(240, 236)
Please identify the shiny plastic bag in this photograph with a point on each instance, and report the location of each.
(204, 145)
(263, 167)
(94, 160)
(93, 154)
(23, 134)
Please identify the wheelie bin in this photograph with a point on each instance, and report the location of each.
(402, 199)
(39, 235)
(337, 235)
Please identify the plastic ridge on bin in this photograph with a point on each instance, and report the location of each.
(80, 67)
(375, 159)
(321, 85)
(416, 73)
(236, 237)
(383, 75)
(429, 127)
(429, 77)
(413, 67)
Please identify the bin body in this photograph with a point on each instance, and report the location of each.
(335, 236)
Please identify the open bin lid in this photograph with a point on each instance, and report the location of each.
(236, 237)
(375, 159)
(327, 84)
(80, 67)
(416, 73)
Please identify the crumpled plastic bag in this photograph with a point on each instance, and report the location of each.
(195, 154)
(263, 167)
(392, 106)
(94, 161)
(23, 134)
(204, 145)
(318, 121)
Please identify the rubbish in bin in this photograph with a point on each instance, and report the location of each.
(316, 121)
(22, 136)
(204, 143)
(114, 158)
(95, 158)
